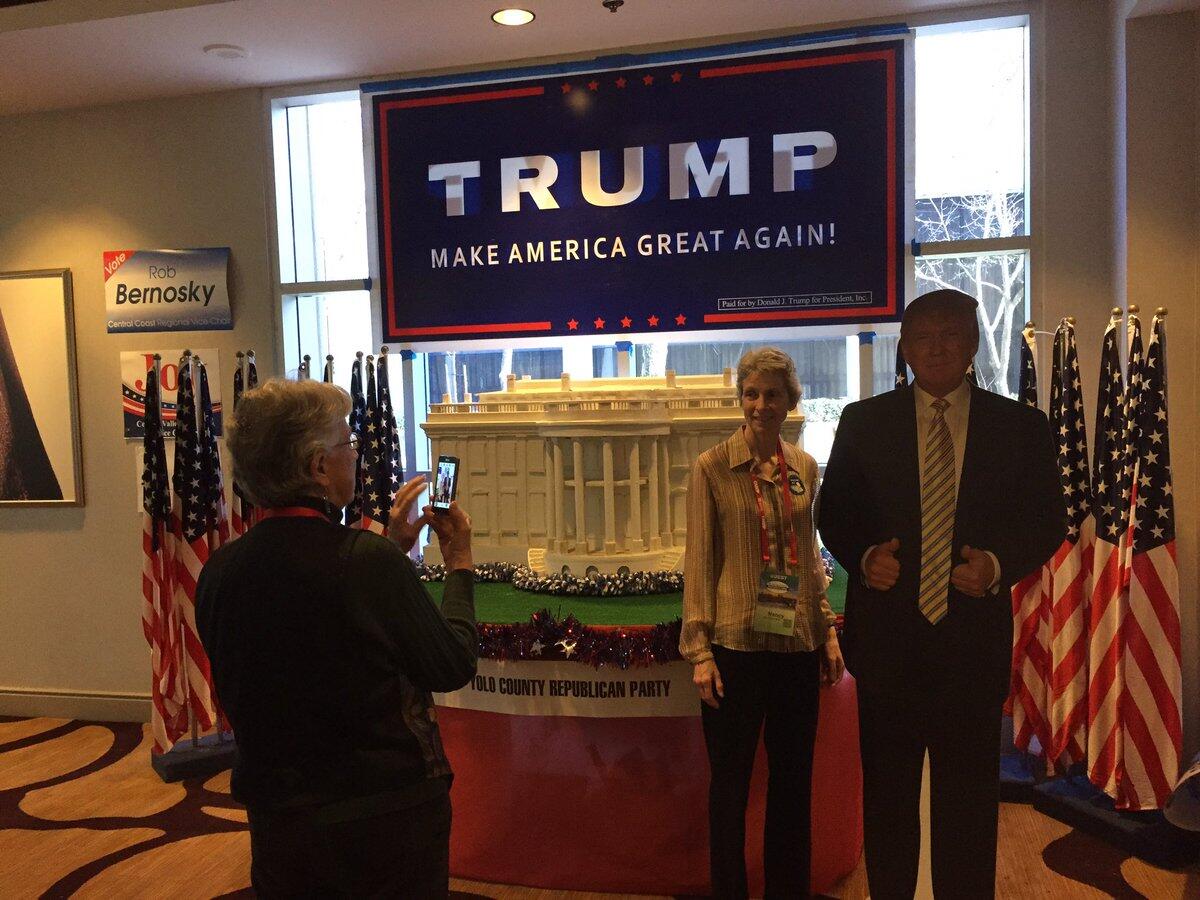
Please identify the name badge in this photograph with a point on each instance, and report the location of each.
(775, 605)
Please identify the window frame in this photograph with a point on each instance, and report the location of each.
(860, 364)
(1024, 244)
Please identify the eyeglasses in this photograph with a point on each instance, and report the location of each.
(353, 442)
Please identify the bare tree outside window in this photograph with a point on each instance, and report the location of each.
(970, 184)
(996, 280)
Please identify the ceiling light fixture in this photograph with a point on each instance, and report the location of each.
(225, 51)
(512, 16)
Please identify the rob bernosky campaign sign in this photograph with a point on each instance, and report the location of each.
(167, 290)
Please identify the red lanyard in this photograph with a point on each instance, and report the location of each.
(292, 512)
(789, 530)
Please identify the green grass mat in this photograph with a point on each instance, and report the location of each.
(496, 602)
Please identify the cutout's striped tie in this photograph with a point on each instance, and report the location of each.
(937, 517)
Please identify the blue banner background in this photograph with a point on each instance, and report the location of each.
(855, 92)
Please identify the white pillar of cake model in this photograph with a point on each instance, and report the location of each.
(579, 475)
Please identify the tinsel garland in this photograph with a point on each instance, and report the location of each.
(597, 585)
(626, 584)
(544, 637)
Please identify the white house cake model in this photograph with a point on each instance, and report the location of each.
(585, 475)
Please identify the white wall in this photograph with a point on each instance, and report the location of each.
(1163, 241)
(187, 172)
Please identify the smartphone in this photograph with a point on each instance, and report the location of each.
(445, 483)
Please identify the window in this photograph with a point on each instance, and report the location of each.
(883, 362)
(826, 367)
(972, 200)
(320, 205)
(971, 228)
(457, 374)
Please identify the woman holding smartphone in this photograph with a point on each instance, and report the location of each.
(325, 647)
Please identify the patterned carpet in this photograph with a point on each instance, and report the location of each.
(82, 814)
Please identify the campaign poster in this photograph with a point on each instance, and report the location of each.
(759, 190)
(135, 365)
(167, 290)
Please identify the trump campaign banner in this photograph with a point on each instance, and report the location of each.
(167, 290)
(753, 190)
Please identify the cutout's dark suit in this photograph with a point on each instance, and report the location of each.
(937, 687)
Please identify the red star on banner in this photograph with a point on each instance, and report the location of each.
(680, 319)
(653, 320)
(676, 77)
(593, 85)
(566, 87)
(572, 324)
(626, 322)
(647, 80)
(621, 82)
(599, 323)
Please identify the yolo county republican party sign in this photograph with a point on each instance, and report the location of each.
(167, 290)
(748, 191)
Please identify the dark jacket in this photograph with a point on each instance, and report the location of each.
(1009, 502)
(325, 647)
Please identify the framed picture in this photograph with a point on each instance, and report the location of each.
(40, 462)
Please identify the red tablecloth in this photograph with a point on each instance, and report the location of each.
(621, 804)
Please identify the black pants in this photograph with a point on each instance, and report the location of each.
(405, 853)
(963, 739)
(783, 689)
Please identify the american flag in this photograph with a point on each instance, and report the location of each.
(901, 367)
(1108, 595)
(1070, 566)
(168, 718)
(1030, 693)
(198, 522)
(1151, 716)
(371, 456)
(358, 411)
(241, 509)
(391, 472)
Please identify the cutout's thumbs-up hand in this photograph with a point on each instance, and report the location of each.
(974, 575)
(881, 568)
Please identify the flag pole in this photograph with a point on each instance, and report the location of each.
(186, 362)
(1161, 313)
(1132, 322)
(1060, 347)
(158, 380)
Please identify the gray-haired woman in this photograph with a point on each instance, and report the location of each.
(757, 628)
(325, 647)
